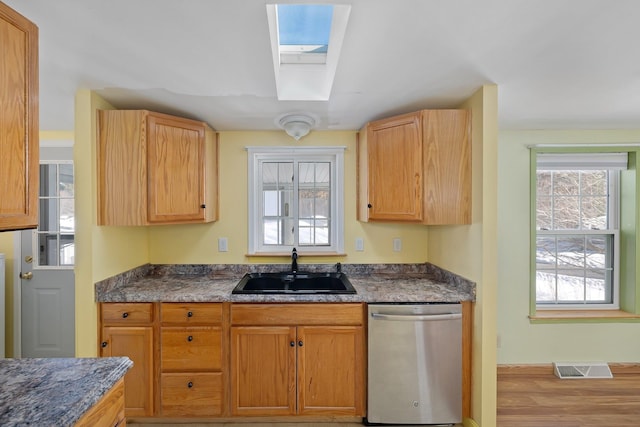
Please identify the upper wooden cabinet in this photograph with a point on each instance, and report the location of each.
(155, 169)
(417, 168)
(19, 155)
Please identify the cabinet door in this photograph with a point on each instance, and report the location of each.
(394, 148)
(135, 342)
(330, 370)
(18, 121)
(263, 370)
(176, 170)
(447, 166)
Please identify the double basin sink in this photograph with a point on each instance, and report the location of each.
(294, 283)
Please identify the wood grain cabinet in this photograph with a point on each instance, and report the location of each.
(192, 360)
(19, 147)
(127, 330)
(297, 359)
(155, 169)
(416, 167)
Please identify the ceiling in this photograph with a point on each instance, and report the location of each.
(561, 64)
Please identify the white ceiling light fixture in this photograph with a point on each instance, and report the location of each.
(297, 125)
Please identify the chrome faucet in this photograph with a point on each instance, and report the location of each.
(294, 261)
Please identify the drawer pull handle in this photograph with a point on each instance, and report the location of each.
(104, 344)
(125, 315)
(190, 338)
(190, 384)
(190, 314)
(292, 344)
(300, 343)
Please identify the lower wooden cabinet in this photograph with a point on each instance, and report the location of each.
(127, 330)
(304, 359)
(212, 360)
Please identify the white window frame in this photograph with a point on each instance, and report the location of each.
(613, 162)
(258, 155)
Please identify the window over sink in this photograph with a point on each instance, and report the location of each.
(296, 199)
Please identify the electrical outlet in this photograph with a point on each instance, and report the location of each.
(359, 244)
(223, 244)
(397, 244)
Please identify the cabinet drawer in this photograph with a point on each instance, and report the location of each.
(191, 313)
(139, 312)
(195, 348)
(185, 395)
(298, 314)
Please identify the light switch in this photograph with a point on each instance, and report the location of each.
(222, 244)
(397, 244)
(359, 244)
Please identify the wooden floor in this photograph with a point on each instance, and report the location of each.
(533, 397)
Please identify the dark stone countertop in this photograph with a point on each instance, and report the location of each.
(374, 283)
(55, 392)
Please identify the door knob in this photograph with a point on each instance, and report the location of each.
(27, 276)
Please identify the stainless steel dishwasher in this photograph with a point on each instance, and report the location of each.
(415, 364)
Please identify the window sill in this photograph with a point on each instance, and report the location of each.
(300, 254)
(583, 316)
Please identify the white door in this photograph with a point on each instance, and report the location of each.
(47, 262)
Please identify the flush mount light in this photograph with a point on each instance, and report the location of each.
(297, 125)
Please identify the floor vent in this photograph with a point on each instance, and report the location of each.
(582, 370)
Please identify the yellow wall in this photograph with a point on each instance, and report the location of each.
(101, 252)
(471, 251)
(194, 244)
(520, 341)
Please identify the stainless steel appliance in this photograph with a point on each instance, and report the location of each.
(415, 364)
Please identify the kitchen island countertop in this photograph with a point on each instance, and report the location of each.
(374, 283)
(56, 391)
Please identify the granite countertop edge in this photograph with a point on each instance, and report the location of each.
(374, 283)
(55, 391)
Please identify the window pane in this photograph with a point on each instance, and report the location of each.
(49, 216)
(596, 250)
(544, 211)
(596, 286)
(272, 232)
(48, 249)
(322, 235)
(271, 203)
(66, 180)
(67, 216)
(566, 183)
(546, 252)
(545, 286)
(48, 180)
(570, 251)
(594, 183)
(594, 213)
(570, 286)
(67, 249)
(566, 213)
(543, 183)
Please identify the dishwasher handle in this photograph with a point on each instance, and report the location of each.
(417, 317)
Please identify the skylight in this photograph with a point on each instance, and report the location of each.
(306, 40)
(303, 33)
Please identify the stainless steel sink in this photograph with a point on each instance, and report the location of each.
(294, 283)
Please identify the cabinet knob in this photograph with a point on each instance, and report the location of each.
(190, 314)
(292, 344)
(369, 205)
(203, 206)
(190, 384)
(300, 343)
(104, 344)
(190, 338)
(125, 315)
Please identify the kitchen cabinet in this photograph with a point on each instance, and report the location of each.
(155, 169)
(297, 359)
(19, 144)
(192, 359)
(127, 330)
(416, 168)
